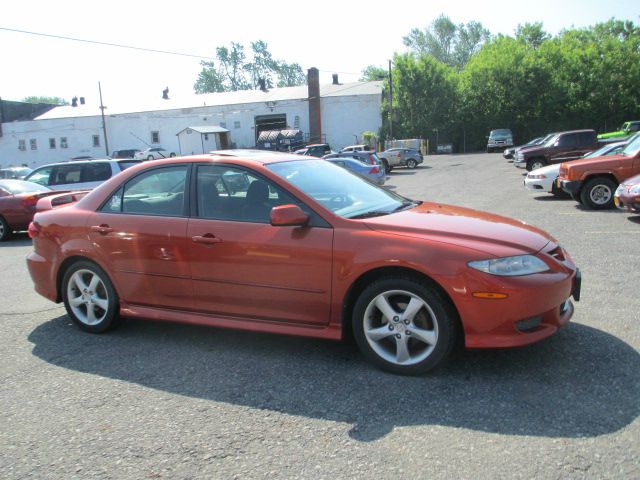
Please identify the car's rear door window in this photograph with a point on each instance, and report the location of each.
(159, 191)
(66, 174)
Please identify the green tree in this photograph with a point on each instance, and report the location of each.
(231, 63)
(532, 34)
(49, 100)
(209, 79)
(447, 42)
(372, 73)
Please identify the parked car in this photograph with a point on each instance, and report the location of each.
(562, 147)
(373, 173)
(80, 175)
(499, 139)
(593, 182)
(400, 157)
(14, 172)
(154, 153)
(316, 150)
(369, 157)
(545, 178)
(127, 153)
(18, 201)
(307, 249)
(509, 152)
(627, 195)
(356, 148)
(626, 130)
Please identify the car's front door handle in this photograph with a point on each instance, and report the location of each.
(102, 229)
(207, 239)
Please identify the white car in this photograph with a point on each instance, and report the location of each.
(153, 153)
(79, 175)
(544, 179)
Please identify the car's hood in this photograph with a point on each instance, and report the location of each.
(601, 163)
(532, 149)
(632, 181)
(483, 231)
(548, 170)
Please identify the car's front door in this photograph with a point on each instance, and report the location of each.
(244, 267)
(140, 235)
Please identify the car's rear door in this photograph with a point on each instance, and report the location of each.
(140, 235)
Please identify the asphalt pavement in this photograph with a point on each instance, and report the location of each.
(160, 400)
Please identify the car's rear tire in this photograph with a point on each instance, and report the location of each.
(150, 157)
(411, 163)
(404, 326)
(386, 166)
(597, 193)
(5, 230)
(535, 163)
(171, 155)
(89, 297)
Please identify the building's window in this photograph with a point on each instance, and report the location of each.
(223, 124)
(63, 142)
(52, 143)
(155, 137)
(22, 145)
(96, 140)
(33, 143)
(206, 137)
(236, 124)
(296, 121)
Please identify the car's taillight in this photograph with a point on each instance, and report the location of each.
(30, 201)
(372, 160)
(373, 170)
(34, 230)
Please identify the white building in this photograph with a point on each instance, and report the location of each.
(345, 112)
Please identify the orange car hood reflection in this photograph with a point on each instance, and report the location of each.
(447, 222)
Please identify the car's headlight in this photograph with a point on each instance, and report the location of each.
(635, 190)
(537, 176)
(511, 266)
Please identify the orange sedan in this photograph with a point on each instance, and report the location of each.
(288, 244)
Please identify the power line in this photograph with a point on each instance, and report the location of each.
(131, 47)
(108, 44)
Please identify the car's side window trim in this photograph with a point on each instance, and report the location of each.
(315, 220)
(187, 195)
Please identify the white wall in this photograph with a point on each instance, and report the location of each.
(342, 119)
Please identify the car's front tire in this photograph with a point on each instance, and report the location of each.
(404, 326)
(89, 297)
(597, 193)
(535, 164)
(150, 157)
(5, 230)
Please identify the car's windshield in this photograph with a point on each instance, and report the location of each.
(606, 150)
(339, 190)
(503, 132)
(633, 147)
(550, 139)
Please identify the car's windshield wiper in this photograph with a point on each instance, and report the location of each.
(405, 205)
(372, 213)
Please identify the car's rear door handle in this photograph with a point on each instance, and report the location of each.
(207, 239)
(102, 229)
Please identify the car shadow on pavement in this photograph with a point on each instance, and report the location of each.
(16, 240)
(634, 219)
(551, 198)
(580, 383)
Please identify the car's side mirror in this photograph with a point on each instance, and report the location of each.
(288, 216)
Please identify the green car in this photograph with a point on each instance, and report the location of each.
(627, 129)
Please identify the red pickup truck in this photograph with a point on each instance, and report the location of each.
(593, 182)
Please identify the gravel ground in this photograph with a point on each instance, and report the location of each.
(158, 400)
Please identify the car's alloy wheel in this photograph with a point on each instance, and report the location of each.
(89, 297)
(535, 164)
(150, 157)
(404, 326)
(597, 193)
(411, 163)
(5, 230)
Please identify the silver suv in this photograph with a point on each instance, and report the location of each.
(80, 175)
(499, 139)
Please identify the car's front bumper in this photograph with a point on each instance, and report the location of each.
(539, 184)
(535, 308)
(627, 201)
(572, 187)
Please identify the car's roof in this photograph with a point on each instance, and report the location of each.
(83, 162)
(261, 156)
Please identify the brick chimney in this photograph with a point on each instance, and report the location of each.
(315, 118)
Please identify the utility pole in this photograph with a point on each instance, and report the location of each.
(390, 103)
(104, 124)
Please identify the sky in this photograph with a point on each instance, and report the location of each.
(333, 36)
